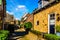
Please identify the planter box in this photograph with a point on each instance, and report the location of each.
(58, 33)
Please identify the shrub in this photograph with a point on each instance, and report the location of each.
(58, 28)
(21, 25)
(4, 31)
(28, 25)
(36, 32)
(3, 34)
(51, 37)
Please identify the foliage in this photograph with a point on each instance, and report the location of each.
(28, 25)
(21, 25)
(58, 28)
(3, 34)
(51, 37)
(18, 22)
(36, 32)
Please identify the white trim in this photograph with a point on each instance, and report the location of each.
(48, 25)
(55, 23)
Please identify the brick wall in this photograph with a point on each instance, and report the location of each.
(42, 17)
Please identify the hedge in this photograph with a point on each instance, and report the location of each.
(28, 25)
(36, 32)
(51, 37)
(21, 25)
(3, 34)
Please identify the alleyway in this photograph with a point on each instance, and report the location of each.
(29, 36)
(20, 34)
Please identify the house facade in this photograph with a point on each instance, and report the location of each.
(42, 3)
(2, 13)
(30, 18)
(16, 22)
(47, 17)
(23, 19)
(9, 19)
(27, 18)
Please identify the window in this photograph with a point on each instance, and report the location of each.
(58, 18)
(52, 16)
(57, 14)
(37, 22)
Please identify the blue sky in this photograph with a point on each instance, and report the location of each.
(19, 7)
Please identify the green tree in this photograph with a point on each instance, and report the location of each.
(21, 25)
(28, 25)
(18, 22)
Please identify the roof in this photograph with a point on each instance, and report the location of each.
(45, 7)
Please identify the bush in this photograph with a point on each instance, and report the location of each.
(36, 32)
(21, 25)
(58, 28)
(4, 31)
(28, 25)
(3, 34)
(51, 37)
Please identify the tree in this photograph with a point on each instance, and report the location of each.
(18, 22)
(28, 26)
(21, 25)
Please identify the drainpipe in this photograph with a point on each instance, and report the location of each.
(3, 23)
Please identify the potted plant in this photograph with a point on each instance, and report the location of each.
(58, 30)
(28, 26)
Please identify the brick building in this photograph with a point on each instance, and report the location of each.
(27, 18)
(2, 13)
(47, 18)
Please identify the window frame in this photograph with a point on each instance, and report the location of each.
(37, 22)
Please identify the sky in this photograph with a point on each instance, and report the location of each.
(19, 7)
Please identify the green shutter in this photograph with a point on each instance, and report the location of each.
(0, 2)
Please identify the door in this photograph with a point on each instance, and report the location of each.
(52, 30)
(52, 23)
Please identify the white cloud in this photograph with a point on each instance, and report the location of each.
(17, 18)
(20, 11)
(16, 8)
(21, 6)
(9, 12)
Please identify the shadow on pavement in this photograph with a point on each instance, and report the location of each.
(17, 34)
(23, 33)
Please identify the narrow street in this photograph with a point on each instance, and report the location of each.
(29, 36)
(20, 34)
(29, 19)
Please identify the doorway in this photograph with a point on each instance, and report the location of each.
(52, 23)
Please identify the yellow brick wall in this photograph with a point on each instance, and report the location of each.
(43, 16)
